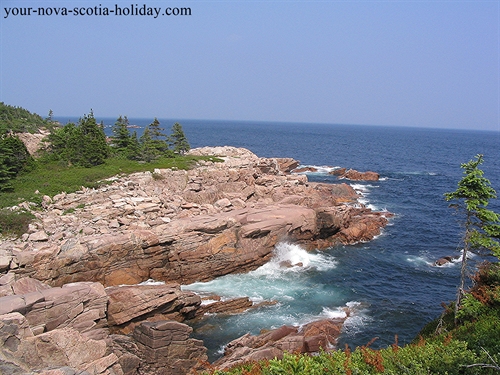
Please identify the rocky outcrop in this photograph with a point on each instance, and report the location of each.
(81, 306)
(69, 303)
(311, 338)
(231, 306)
(446, 260)
(186, 226)
(168, 348)
(67, 329)
(338, 172)
(33, 141)
(354, 175)
(65, 350)
(131, 305)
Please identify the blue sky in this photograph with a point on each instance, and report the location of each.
(404, 63)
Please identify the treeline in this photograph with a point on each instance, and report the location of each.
(82, 144)
(85, 144)
(14, 157)
(19, 120)
(152, 144)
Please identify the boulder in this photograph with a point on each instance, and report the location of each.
(338, 172)
(311, 338)
(446, 259)
(128, 305)
(353, 174)
(231, 306)
(287, 165)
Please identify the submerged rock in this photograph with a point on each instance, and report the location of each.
(446, 259)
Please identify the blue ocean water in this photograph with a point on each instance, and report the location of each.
(390, 282)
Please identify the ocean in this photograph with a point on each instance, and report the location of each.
(390, 282)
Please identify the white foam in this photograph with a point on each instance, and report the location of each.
(152, 282)
(281, 279)
(209, 301)
(320, 169)
(336, 313)
(419, 260)
(418, 173)
(286, 255)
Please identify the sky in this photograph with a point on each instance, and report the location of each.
(396, 63)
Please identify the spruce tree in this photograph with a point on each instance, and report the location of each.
(149, 151)
(178, 140)
(121, 135)
(133, 150)
(481, 225)
(158, 138)
(14, 157)
(83, 144)
(94, 148)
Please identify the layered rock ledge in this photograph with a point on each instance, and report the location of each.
(69, 284)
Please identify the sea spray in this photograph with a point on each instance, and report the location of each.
(290, 280)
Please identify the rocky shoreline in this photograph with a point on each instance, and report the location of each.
(69, 285)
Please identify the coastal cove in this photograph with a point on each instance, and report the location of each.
(391, 278)
(149, 270)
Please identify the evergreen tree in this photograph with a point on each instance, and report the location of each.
(481, 226)
(93, 146)
(50, 116)
(59, 142)
(178, 140)
(133, 151)
(149, 151)
(158, 138)
(14, 157)
(83, 144)
(121, 134)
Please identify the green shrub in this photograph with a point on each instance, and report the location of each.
(14, 223)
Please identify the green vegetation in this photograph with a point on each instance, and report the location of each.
(19, 120)
(439, 356)
(14, 223)
(80, 145)
(178, 140)
(481, 226)
(14, 158)
(77, 155)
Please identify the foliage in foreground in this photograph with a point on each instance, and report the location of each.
(445, 356)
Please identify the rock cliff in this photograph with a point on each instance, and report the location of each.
(71, 281)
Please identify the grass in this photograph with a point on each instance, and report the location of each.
(52, 178)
